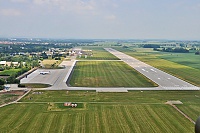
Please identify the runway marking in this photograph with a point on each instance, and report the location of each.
(153, 70)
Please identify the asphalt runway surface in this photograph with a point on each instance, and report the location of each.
(58, 77)
(164, 80)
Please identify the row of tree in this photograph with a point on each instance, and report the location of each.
(175, 50)
(197, 53)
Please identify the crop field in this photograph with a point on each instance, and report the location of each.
(96, 53)
(135, 111)
(187, 59)
(107, 74)
(184, 66)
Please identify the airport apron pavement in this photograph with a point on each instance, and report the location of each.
(58, 77)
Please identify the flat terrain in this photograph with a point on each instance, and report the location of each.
(184, 66)
(161, 78)
(6, 97)
(56, 77)
(36, 77)
(96, 53)
(187, 59)
(50, 63)
(135, 111)
(107, 74)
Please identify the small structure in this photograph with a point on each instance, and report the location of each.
(74, 105)
(2, 63)
(69, 104)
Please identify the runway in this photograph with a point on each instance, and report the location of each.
(58, 77)
(164, 80)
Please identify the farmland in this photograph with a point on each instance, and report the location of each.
(107, 74)
(96, 53)
(134, 111)
(184, 66)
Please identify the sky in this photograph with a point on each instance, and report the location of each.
(101, 19)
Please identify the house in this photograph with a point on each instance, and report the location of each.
(15, 63)
(2, 63)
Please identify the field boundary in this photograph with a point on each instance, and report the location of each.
(186, 116)
(3, 105)
(70, 72)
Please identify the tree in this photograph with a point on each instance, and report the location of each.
(197, 53)
(2, 81)
(151, 46)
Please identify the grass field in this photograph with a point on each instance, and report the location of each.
(107, 74)
(51, 63)
(98, 53)
(187, 59)
(134, 111)
(184, 66)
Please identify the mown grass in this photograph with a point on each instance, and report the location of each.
(183, 70)
(107, 74)
(134, 111)
(133, 97)
(51, 63)
(97, 53)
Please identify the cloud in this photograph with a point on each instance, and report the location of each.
(10, 12)
(68, 5)
(40, 2)
(110, 17)
(20, 1)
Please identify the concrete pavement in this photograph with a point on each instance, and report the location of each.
(58, 77)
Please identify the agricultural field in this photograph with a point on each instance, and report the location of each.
(184, 66)
(96, 53)
(107, 74)
(187, 59)
(135, 111)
